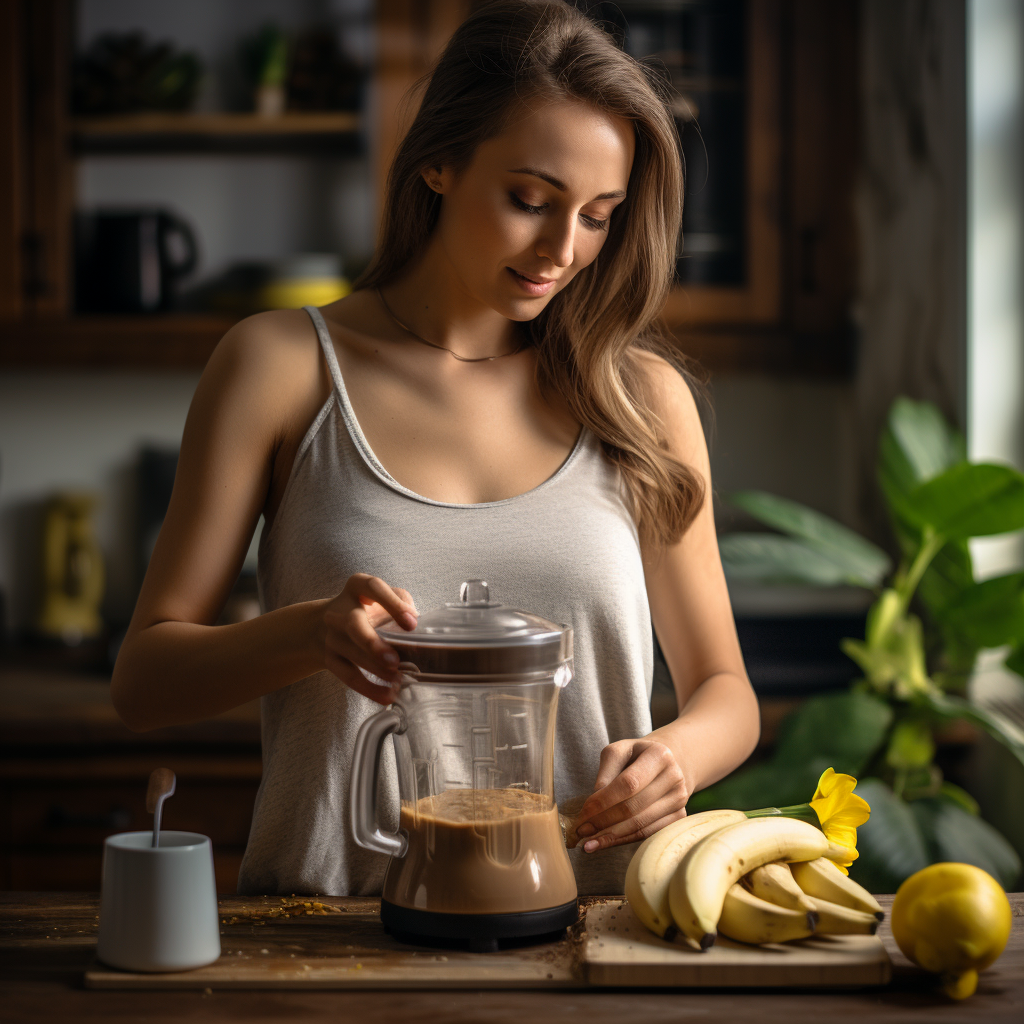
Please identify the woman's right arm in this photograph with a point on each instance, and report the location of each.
(175, 666)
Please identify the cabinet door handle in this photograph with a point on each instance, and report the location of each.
(61, 817)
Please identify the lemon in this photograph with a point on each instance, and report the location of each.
(953, 920)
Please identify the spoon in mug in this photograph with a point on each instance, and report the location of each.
(161, 786)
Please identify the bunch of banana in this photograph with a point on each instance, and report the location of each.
(656, 860)
(756, 880)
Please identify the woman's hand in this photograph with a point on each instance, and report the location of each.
(351, 642)
(640, 789)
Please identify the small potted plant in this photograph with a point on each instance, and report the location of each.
(925, 628)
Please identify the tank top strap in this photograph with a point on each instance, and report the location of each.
(327, 345)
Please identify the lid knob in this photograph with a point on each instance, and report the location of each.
(475, 593)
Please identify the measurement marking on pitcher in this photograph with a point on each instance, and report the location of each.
(517, 714)
(519, 746)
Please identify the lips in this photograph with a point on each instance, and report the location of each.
(534, 278)
(530, 286)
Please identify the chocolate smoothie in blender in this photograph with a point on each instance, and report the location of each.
(481, 851)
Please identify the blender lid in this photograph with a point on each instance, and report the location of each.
(478, 636)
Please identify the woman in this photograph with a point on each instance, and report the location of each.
(487, 403)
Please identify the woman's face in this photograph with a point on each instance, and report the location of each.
(531, 209)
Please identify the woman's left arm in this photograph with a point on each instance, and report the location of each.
(643, 784)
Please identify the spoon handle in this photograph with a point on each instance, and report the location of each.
(161, 786)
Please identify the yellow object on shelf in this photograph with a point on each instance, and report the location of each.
(73, 576)
(305, 279)
(312, 291)
(953, 920)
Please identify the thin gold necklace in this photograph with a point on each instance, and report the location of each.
(454, 355)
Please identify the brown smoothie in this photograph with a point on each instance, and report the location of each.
(481, 851)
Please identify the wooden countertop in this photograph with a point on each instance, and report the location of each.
(47, 941)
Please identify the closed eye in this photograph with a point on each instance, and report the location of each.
(591, 222)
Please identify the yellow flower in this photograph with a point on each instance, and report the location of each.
(840, 811)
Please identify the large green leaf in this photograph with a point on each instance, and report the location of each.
(946, 705)
(991, 613)
(769, 558)
(952, 834)
(840, 731)
(844, 730)
(890, 843)
(951, 571)
(917, 444)
(968, 500)
(862, 561)
(953, 794)
(761, 785)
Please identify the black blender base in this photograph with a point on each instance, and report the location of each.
(477, 932)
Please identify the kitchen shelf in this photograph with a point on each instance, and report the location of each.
(789, 315)
(337, 132)
(168, 341)
(185, 341)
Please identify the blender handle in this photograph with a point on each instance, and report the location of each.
(363, 797)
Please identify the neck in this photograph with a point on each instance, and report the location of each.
(431, 301)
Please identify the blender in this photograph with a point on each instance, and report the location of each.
(479, 855)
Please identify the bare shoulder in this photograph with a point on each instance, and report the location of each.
(673, 403)
(262, 380)
(277, 349)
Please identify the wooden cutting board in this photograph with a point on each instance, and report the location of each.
(348, 949)
(618, 950)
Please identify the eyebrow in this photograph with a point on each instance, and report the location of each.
(560, 185)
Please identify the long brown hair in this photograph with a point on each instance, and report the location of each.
(591, 338)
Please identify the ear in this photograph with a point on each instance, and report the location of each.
(436, 179)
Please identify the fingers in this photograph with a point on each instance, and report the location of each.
(663, 812)
(665, 783)
(352, 646)
(354, 640)
(371, 589)
(632, 779)
(354, 679)
(614, 758)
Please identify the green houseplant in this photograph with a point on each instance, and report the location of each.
(929, 620)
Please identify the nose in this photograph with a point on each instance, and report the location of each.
(557, 241)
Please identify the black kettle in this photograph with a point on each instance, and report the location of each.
(129, 261)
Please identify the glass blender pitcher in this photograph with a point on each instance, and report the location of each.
(479, 854)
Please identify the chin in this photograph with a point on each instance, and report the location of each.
(522, 310)
(521, 315)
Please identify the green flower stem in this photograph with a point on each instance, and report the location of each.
(805, 812)
(933, 543)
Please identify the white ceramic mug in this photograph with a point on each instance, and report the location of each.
(158, 907)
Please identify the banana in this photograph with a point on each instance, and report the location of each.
(834, 919)
(656, 859)
(774, 882)
(821, 879)
(698, 887)
(748, 918)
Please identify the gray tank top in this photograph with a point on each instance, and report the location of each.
(567, 550)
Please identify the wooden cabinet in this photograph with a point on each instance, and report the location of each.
(72, 774)
(789, 314)
(59, 809)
